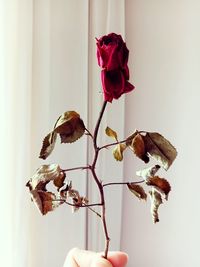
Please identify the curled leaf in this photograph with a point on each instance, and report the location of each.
(148, 172)
(44, 175)
(63, 191)
(70, 127)
(59, 181)
(118, 151)
(138, 147)
(45, 201)
(130, 138)
(48, 145)
(156, 200)
(77, 200)
(72, 193)
(137, 190)
(160, 149)
(111, 133)
(160, 184)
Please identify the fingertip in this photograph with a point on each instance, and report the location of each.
(118, 258)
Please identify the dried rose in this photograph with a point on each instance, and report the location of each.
(112, 55)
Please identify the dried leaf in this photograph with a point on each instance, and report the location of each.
(72, 193)
(148, 172)
(45, 201)
(160, 184)
(118, 151)
(48, 145)
(70, 127)
(160, 149)
(156, 200)
(63, 191)
(75, 199)
(44, 175)
(111, 133)
(130, 138)
(138, 147)
(59, 181)
(137, 190)
(79, 201)
(84, 201)
(76, 207)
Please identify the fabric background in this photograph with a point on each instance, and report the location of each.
(47, 66)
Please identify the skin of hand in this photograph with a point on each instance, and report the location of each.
(83, 258)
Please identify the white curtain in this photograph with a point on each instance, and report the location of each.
(47, 66)
(15, 107)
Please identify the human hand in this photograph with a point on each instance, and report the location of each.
(84, 258)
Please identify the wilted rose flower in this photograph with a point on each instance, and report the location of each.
(112, 55)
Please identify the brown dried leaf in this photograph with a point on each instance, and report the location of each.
(111, 133)
(76, 207)
(72, 193)
(45, 201)
(118, 151)
(48, 145)
(44, 175)
(63, 191)
(137, 190)
(148, 172)
(79, 201)
(160, 184)
(70, 127)
(160, 149)
(156, 200)
(59, 181)
(130, 138)
(75, 199)
(138, 147)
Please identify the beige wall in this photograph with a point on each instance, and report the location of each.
(164, 40)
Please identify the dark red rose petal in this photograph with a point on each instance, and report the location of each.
(112, 52)
(114, 84)
(112, 55)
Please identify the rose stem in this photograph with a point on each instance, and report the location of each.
(76, 169)
(112, 144)
(77, 205)
(123, 141)
(123, 183)
(94, 211)
(99, 184)
(88, 132)
(98, 123)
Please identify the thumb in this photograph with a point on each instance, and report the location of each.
(118, 258)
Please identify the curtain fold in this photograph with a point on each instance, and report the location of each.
(59, 84)
(48, 65)
(15, 105)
